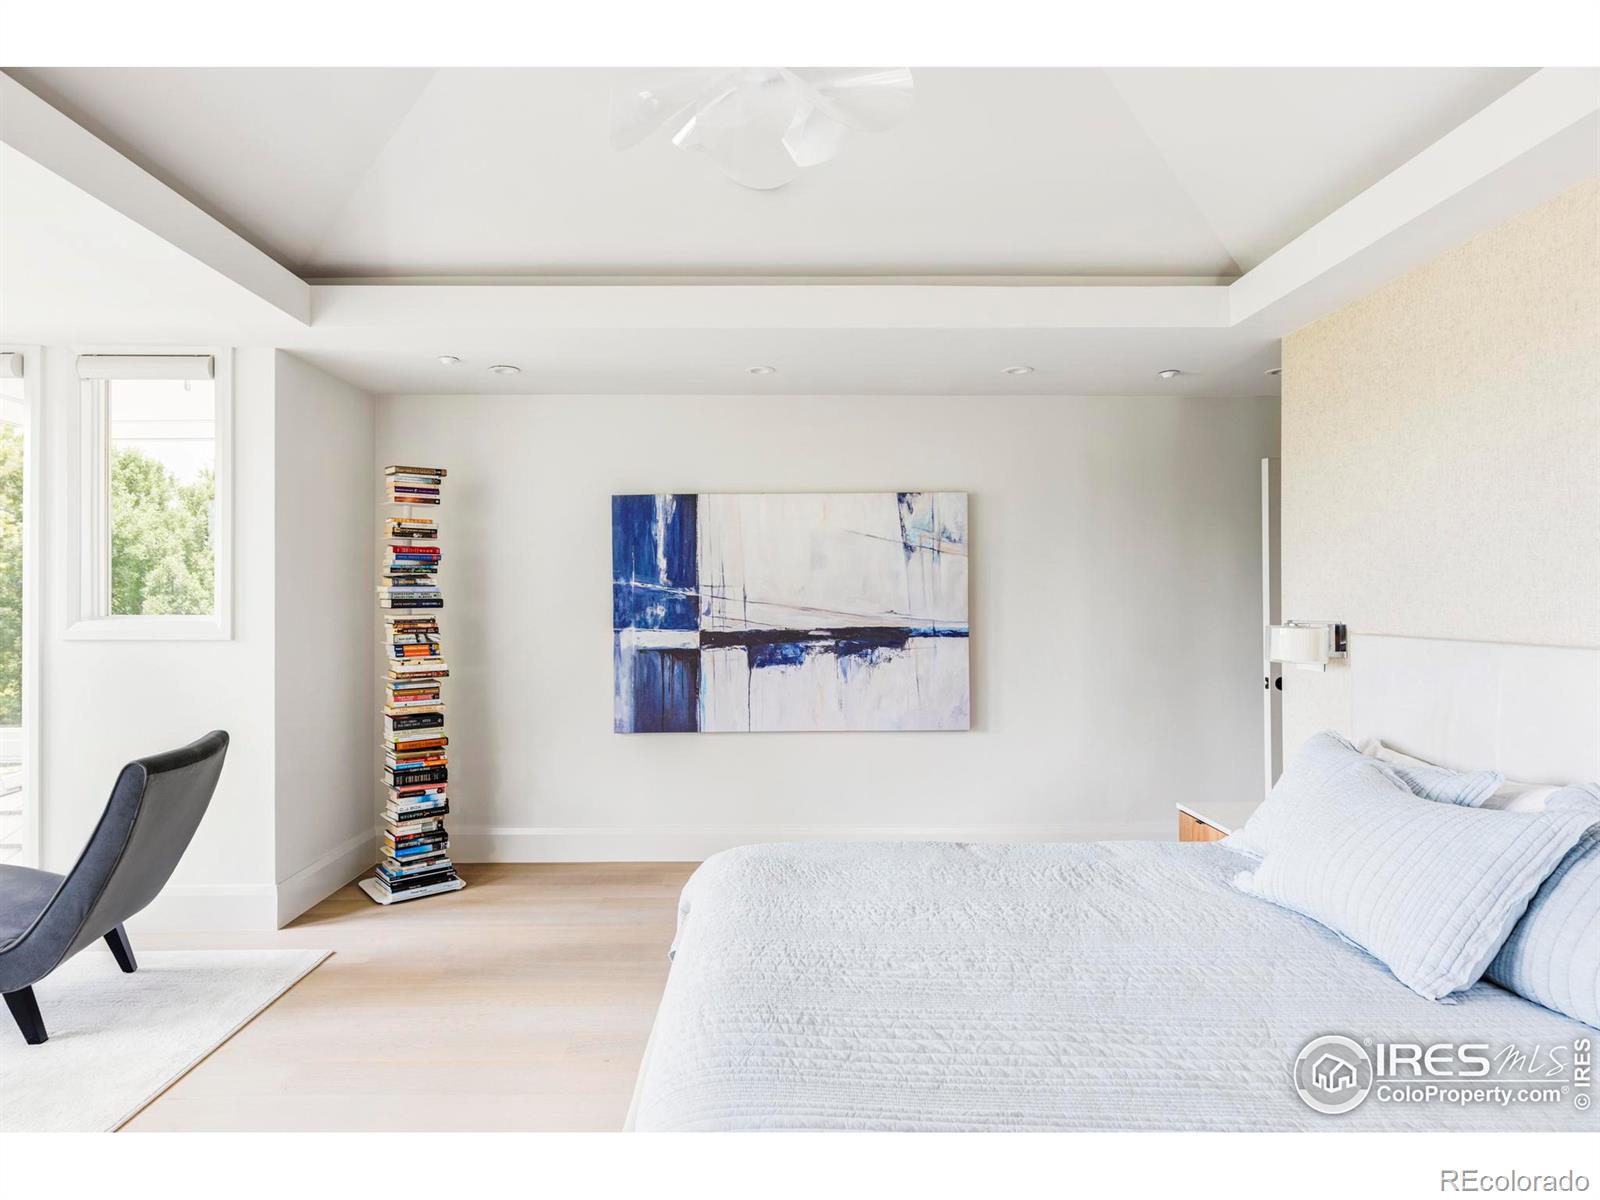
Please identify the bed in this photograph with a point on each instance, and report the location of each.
(1093, 986)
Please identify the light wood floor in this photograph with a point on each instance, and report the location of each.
(522, 1002)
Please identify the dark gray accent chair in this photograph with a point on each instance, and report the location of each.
(45, 919)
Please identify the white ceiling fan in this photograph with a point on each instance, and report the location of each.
(762, 125)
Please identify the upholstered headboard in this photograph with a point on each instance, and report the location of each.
(1532, 712)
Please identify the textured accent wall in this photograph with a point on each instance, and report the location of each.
(1441, 451)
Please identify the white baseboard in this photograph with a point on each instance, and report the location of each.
(325, 876)
(243, 907)
(482, 843)
(181, 908)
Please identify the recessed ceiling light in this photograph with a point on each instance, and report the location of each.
(1017, 370)
(448, 360)
(1170, 373)
(1274, 370)
(505, 369)
(762, 370)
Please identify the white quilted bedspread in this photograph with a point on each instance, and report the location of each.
(1105, 985)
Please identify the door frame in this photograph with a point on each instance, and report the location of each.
(1271, 606)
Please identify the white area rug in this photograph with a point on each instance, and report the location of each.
(117, 1041)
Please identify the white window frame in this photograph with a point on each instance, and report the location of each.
(32, 592)
(91, 618)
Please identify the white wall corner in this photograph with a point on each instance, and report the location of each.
(325, 876)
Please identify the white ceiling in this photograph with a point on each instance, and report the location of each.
(71, 268)
(75, 271)
(1265, 154)
(1072, 172)
(929, 362)
(1342, 179)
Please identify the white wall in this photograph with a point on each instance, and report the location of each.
(292, 818)
(325, 723)
(1441, 452)
(104, 703)
(1115, 616)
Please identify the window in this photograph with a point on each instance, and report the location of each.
(163, 496)
(155, 497)
(19, 689)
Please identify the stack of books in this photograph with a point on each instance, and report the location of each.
(411, 553)
(413, 485)
(415, 773)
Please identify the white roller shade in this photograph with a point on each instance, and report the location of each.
(144, 366)
(10, 365)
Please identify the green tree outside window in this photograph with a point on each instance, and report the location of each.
(161, 553)
(10, 575)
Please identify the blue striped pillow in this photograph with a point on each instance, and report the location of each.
(1467, 788)
(1444, 786)
(1553, 955)
(1431, 890)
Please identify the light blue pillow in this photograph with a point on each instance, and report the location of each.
(1553, 955)
(1431, 890)
(1321, 759)
(1444, 786)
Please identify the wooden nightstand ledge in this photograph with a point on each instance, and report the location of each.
(1212, 822)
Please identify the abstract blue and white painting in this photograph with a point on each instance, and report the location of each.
(765, 612)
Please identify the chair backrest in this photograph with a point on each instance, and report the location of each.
(148, 823)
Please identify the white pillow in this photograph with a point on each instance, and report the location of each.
(1430, 890)
(1512, 796)
(1373, 748)
(1509, 796)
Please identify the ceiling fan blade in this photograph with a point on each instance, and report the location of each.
(654, 99)
(814, 137)
(752, 155)
(761, 125)
(742, 128)
(868, 99)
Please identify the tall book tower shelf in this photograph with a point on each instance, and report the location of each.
(416, 846)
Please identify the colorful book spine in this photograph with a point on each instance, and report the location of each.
(415, 766)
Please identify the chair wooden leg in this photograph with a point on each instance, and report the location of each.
(122, 949)
(25, 1010)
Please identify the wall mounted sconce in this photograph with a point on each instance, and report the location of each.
(1307, 644)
